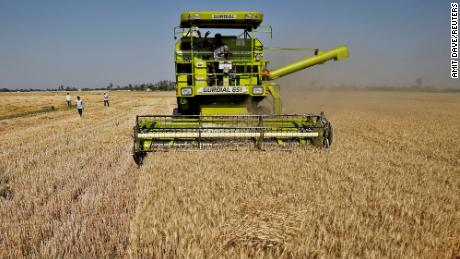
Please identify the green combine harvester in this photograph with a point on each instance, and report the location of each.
(220, 84)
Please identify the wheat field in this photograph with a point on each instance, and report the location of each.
(388, 187)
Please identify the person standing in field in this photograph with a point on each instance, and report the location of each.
(68, 99)
(106, 100)
(80, 106)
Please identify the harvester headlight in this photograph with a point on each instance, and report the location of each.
(248, 16)
(195, 16)
(257, 90)
(186, 91)
(257, 56)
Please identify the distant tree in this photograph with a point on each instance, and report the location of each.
(163, 85)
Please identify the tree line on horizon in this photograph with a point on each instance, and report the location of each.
(163, 85)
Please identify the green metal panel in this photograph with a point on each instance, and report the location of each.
(224, 109)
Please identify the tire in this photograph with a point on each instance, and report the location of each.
(176, 111)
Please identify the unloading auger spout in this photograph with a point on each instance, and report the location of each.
(220, 84)
(320, 57)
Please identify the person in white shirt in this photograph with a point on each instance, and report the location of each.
(80, 106)
(68, 99)
(106, 100)
(221, 50)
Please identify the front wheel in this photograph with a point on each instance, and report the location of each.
(176, 112)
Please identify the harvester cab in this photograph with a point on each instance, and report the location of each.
(221, 80)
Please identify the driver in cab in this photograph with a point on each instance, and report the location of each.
(221, 50)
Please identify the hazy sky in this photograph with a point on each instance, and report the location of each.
(91, 43)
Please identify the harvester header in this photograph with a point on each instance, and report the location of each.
(221, 81)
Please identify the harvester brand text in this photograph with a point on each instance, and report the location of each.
(222, 89)
(454, 40)
(223, 16)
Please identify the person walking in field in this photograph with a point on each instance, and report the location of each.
(80, 106)
(68, 99)
(106, 100)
